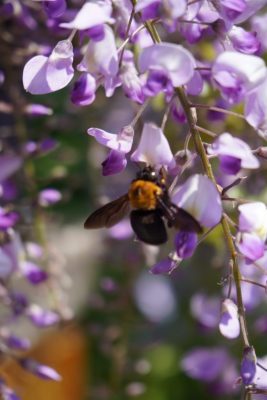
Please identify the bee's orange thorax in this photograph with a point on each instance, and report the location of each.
(144, 194)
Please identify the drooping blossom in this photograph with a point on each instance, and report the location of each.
(91, 16)
(131, 82)
(153, 148)
(167, 265)
(42, 371)
(173, 62)
(233, 154)
(196, 196)
(54, 8)
(33, 273)
(211, 365)
(114, 163)
(244, 41)
(101, 60)
(83, 92)
(206, 309)
(237, 74)
(248, 365)
(185, 244)
(44, 74)
(48, 197)
(252, 226)
(255, 109)
(42, 318)
(229, 322)
(121, 142)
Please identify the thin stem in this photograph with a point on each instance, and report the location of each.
(253, 282)
(218, 109)
(206, 131)
(139, 112)
(127, 33)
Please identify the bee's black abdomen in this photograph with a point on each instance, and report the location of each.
(149, 226)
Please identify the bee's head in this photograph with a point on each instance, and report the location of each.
(148, 174)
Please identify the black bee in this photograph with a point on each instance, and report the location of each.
(149, 205)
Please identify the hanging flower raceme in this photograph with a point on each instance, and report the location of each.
(44, 74)
(252, 227)
(233, 154)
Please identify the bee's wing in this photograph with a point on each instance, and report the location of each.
(179, 218)
(184, 221)
(109, 215)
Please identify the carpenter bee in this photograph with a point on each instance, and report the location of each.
(149, 205)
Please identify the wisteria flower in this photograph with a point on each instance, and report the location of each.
(121, 142)
(153, 148)
(243, 41)
(237, 74)
(84, 89)
(114, 163)
(200, 198)
(253, 230)
(9, 163)
(233, 154)
(91, 16)
(206, 309)
(248, 365)
(43, 74)
(255, 109)
(229, 323)
(101, 57)
(174, 62)
(42, 371)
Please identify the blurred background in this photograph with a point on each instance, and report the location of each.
(126, 333)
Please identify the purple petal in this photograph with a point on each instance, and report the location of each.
(55, 8)
(251, 246)
(255, 109)
(229, 323)
(170, 58)
(7, 393)
(201, 199)
(248, 366)
(84, 89)
(114, 163)
(42, 318)
(205, 364)
(9, 164)
(243, 41)
(205, 309)
(149, 9)
(165, 266)
(101, 57)
(37, 110)
(236, 74)
(121, 142)
(43, 75)
(16, 343)
(185, 244)
(48, 197)
(90, 15)
(253, 218)
(234, 153)
(42, 371)
(153, 148)
(34, 250)
(33, 272)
